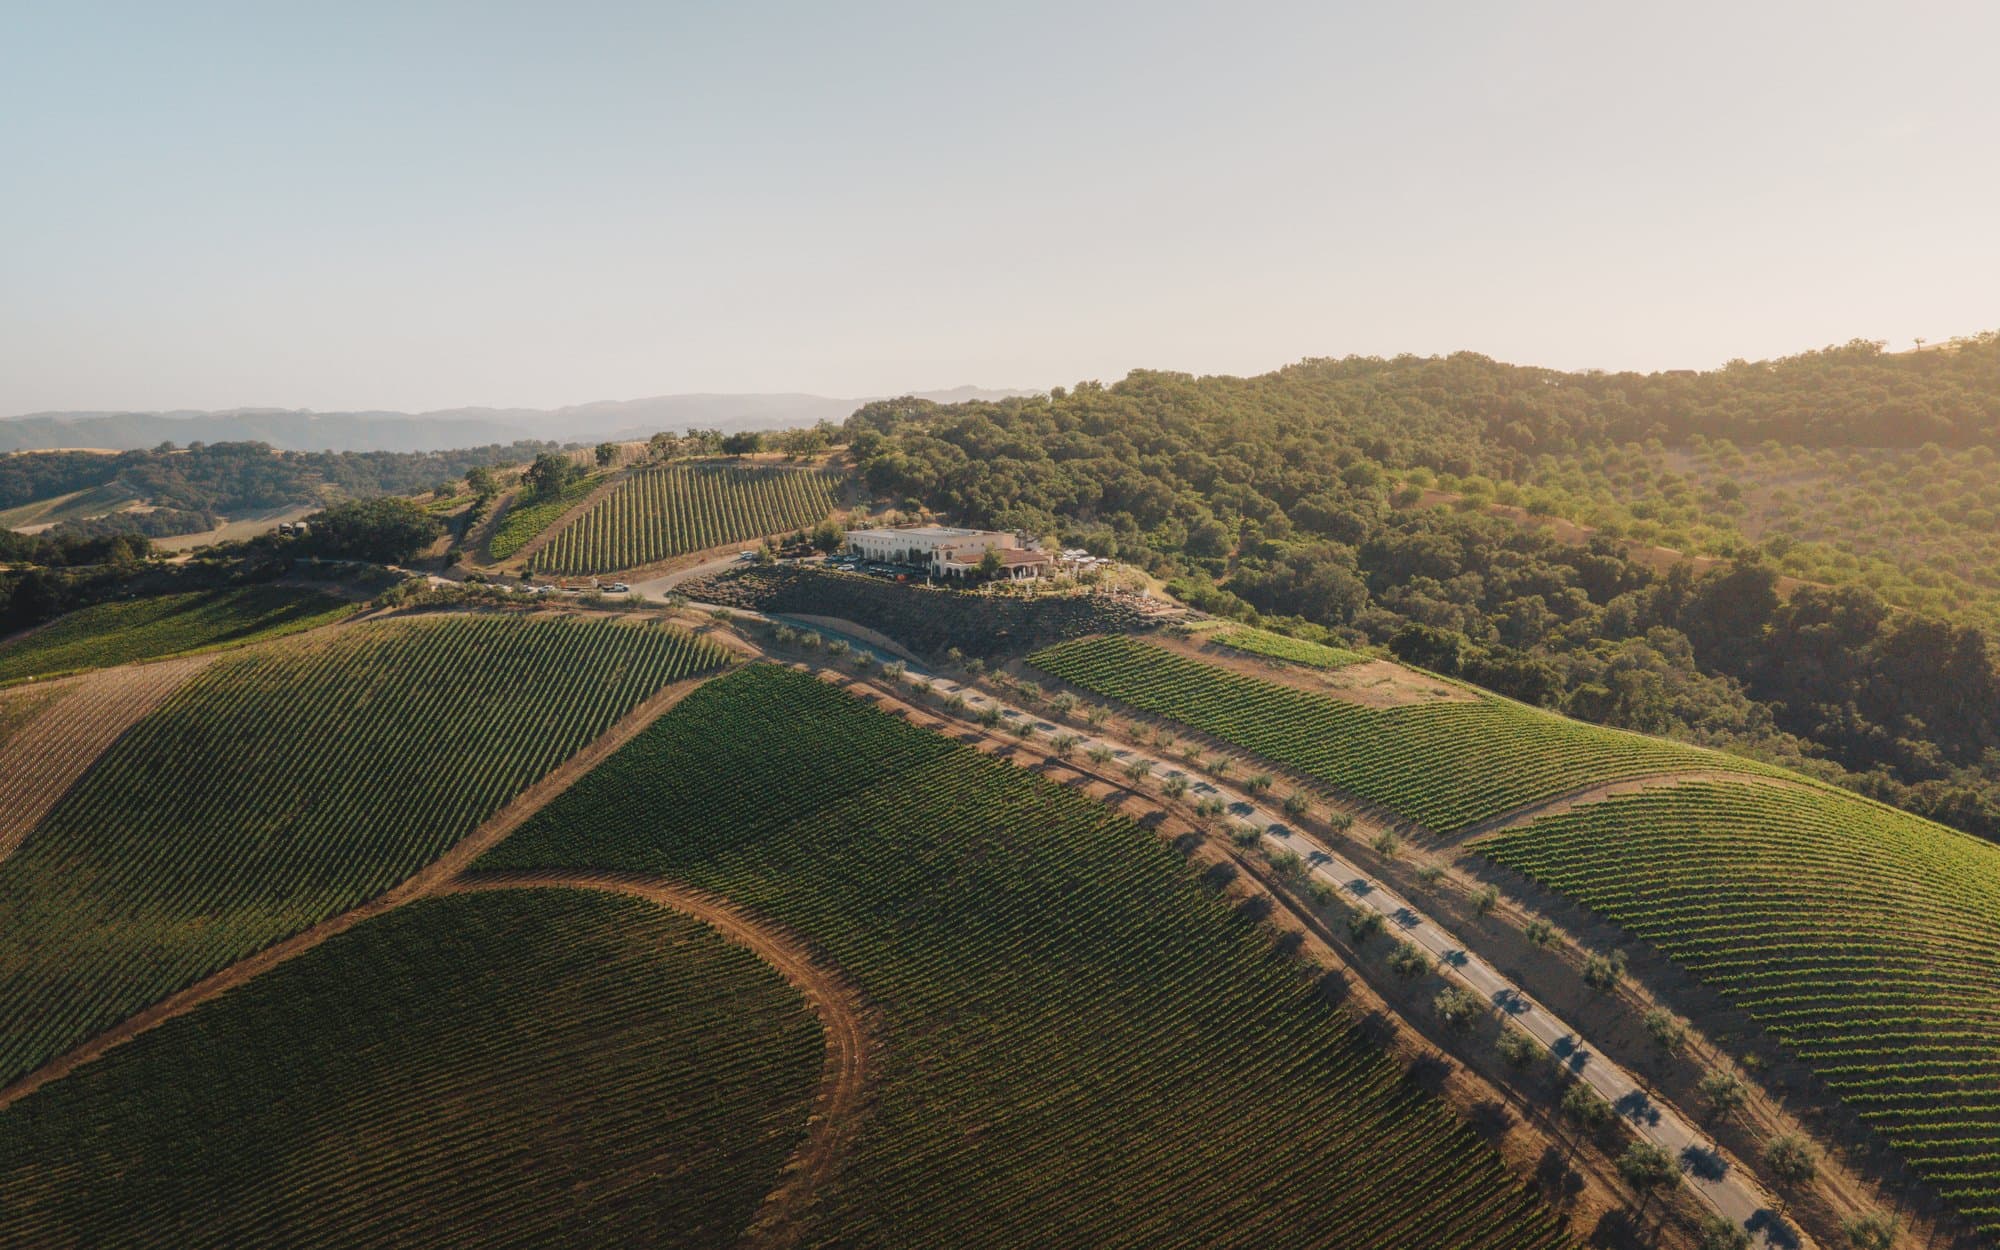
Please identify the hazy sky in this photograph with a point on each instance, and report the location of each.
(412, 205)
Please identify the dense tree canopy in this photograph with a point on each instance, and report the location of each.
(381, 530)
(1284, 496)
(194, 485)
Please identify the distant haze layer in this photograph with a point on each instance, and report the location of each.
(301, 430)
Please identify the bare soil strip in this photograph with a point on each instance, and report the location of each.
(841, 1100)
(1609, 790)
(428, 881)
(45, 757)
(596, 496)
(1380, 684)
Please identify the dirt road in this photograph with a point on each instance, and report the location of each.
(841, 1101)
(428, 881)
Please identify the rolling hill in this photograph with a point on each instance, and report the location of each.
(288, 783)
(302, 430)
(1083, 1047)
(358, 1093)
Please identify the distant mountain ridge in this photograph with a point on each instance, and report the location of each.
(305, 430)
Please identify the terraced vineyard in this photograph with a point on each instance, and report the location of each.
(821, 754)
(1081, 1046)
(127, 631)
(669, 510)
(1864, 939)
(1446, 765)
(285, 785)
(547, 1067)
(530, 515)
(1280, 647)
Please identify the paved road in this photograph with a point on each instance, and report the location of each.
(1729, 1191)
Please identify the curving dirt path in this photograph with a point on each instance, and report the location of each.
(87, 713)
(596, 495)
(840, 1103)
(429, 880)
(1599, 791)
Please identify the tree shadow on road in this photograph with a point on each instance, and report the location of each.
(1638, 1108)
(1704, 1164)
(1772, 1227)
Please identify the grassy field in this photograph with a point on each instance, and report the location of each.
(283, 786)
(658, 513)
(1083, 1047)
(522, 1069)
(530, 515)
(1446, 765)
(130, 630)
(76, 506)
(1864, 939)
(1279, 647)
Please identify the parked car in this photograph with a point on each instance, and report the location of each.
(616, 588)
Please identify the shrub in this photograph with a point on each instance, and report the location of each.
(1874, 1230)
(1585, 1108)
(1364, 923)
(1409, 962)
(1790, 1159)
(1460, 1009)
(1647, 1167)
(1668, 1031)
(1515, 1048)
(1288, 865)
(1724, 1092)
(1603, 973)
(1720, 1233)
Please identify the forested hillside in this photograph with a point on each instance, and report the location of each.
(185, 490)
(1296, 495)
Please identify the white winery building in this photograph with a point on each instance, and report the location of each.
(947, 551)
